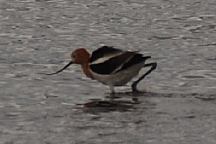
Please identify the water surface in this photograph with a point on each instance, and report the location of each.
(37, 36)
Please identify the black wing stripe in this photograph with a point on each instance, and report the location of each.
(103, 51)
(109, 66)
(136, 59)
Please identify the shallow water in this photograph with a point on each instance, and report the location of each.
(37, 36)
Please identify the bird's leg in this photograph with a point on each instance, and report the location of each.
(112, 94)
(153, 67)
(112, 89)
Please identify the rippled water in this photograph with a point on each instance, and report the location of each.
(37, 36)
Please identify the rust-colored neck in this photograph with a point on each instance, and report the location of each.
(85, 68)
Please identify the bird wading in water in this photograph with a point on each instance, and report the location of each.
(111, 66)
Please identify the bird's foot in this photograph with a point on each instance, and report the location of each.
(111, 96)
(135, 91)
(138, 92)
(134, 88)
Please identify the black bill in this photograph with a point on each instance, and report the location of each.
(61, 69)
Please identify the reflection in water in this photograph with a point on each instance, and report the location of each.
(111, 103)
(99, 105)
(120, 102)
(123, 102)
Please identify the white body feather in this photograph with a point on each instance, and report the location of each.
(119, 78)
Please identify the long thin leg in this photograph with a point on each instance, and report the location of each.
(112, 89)
(112, 94)
(153, 67)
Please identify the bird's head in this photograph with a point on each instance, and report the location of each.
(79, 56)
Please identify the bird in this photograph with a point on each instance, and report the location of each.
(111, 66)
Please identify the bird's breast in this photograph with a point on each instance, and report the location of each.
(86, 70)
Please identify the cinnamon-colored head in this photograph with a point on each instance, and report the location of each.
(80, 56)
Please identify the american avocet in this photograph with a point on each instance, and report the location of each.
(111, 66)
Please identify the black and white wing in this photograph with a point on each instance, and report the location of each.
(103, 53)
(109, 60)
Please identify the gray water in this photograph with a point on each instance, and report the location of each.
(179, 102)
